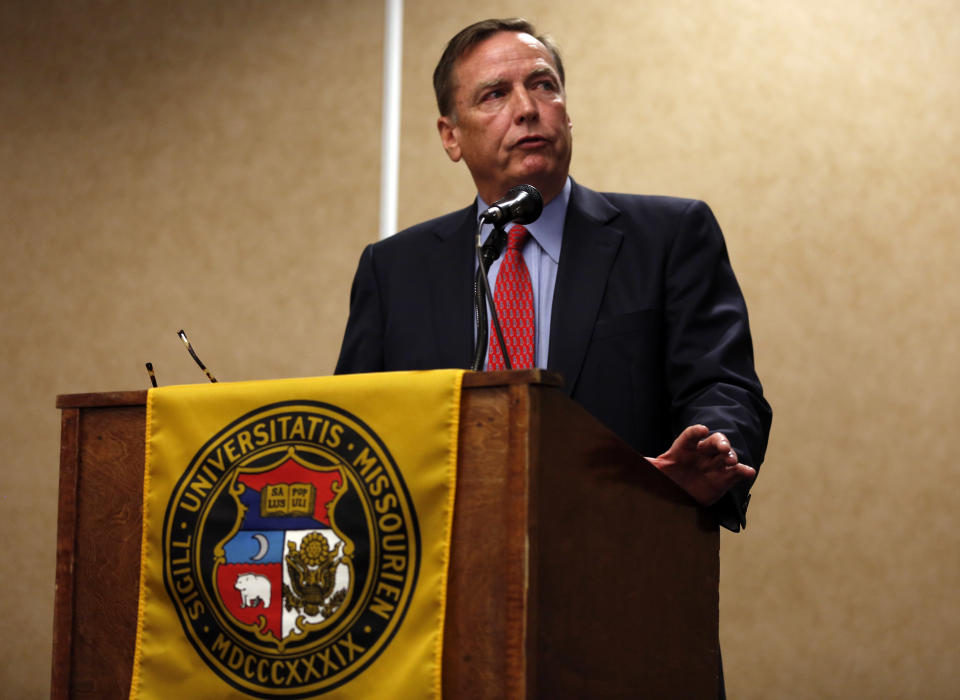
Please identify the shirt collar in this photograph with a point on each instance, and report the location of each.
(547, 230)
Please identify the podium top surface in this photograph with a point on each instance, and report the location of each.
(470, 380)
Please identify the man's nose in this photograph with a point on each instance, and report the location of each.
(526, 108)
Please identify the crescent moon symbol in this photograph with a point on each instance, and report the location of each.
(264, 546)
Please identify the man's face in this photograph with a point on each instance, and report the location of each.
(510, 122)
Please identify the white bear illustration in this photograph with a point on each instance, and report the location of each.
(253, 589)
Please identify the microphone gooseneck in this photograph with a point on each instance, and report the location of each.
(522, 204)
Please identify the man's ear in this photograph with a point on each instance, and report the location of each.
(449, 137)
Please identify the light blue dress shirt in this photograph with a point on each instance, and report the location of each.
(541, 253)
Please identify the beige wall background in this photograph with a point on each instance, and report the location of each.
(214, 166)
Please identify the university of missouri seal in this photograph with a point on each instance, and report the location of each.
(291, 549)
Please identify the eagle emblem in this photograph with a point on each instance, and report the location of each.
(312, 570)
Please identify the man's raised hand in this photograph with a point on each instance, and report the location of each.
(702, 464)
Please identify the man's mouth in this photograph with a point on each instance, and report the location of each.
(531, 142)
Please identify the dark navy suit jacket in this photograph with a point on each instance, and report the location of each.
(649, 326)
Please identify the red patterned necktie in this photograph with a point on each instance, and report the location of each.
(514, 301)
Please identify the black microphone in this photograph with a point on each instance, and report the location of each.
(521, 205)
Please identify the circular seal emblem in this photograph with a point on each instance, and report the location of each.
(291, 549)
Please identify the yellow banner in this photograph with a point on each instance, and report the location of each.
(296, 536)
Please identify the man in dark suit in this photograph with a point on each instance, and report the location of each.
(636, 303)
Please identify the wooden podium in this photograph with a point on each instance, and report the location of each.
(577, 570)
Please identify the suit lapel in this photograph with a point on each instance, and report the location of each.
(590, 245)
(450, 289)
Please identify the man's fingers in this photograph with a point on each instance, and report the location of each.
(716, 448)
(694, 435)
(737, 473)
(703, 463)
(715, 441)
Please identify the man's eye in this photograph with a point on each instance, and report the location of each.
(547, 85)
(492, 95)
